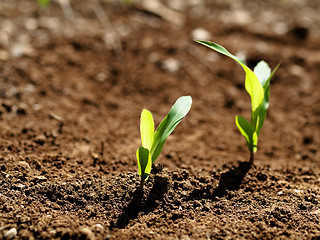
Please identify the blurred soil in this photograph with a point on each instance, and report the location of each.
(71, 93)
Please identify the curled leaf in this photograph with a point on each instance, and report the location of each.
(144, 163)
(178, 111)
(252, 84)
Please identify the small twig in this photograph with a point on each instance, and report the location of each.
(67, 10)
(111, 37)
(95, 158)
(61, 124)
(314, 172)
(102, 149)
(158, 8)
(57, 118)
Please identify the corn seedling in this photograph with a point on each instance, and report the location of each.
(153, 141)
(257, 84)
(43, 3)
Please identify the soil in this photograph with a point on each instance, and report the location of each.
(69, 121)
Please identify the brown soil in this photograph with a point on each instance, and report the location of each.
(69, 123)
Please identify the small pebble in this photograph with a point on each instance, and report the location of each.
(20, 186)
(24, 164)
(178, 5)
(201, 34)
(185, 237)
(316, 212)
(40, 139)
(280, 28)
(101, 77)
(239, 17)
(86, 233)
(30, 88)
(10, 234)
(97, 227)
(20, 50)
(297, 71)
(40, 179)
(170, 65)
(31, 24)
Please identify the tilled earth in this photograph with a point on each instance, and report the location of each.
(71, 93)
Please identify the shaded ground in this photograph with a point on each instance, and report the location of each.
(64, 94)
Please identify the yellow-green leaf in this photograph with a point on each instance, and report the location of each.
(144, 163)
(252, 84)
(245, 129)
(178, 111)
(254, 142)
(146, 129)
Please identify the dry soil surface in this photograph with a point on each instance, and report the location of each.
(71, 93)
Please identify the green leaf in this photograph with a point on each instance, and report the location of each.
(259, 116)
(262, 71)
(257, 84)
(254, 142)
(178, 111)
(146, 129)
(220, 49)
(143, 153)
(252, 83)
(43, 3)
(262, 111)
(144, 163)
(246, 130)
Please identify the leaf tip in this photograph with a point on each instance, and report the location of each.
(145, 111)
(188, 99)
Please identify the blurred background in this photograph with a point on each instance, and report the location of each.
(78, 73)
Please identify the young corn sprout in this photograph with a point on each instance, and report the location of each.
(257, 84)
(43, 3)
(153, 141)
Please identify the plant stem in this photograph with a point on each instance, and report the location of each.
(141, 185)
(251, 157)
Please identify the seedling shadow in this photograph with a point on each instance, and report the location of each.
(138, 205)
(232, 179)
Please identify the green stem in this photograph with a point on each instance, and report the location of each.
(141, 185)
(251, 157)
